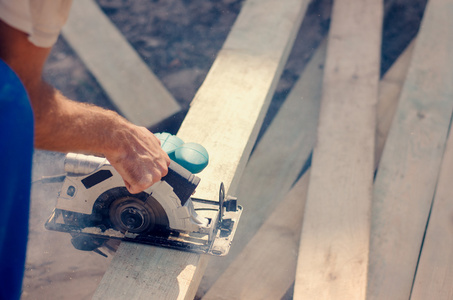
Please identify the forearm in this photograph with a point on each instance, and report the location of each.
(64, 125)
(60, 124)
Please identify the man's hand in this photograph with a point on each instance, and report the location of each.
(67, 126)
(141, 162)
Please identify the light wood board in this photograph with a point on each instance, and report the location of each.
(435, 269)
(409, 167)
(333, 255)
(389, 93)
(126, 79)
(266, 268)
(224, 117)
(250, 65)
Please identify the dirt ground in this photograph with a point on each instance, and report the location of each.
(178, 39)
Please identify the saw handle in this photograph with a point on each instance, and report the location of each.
(182, 181)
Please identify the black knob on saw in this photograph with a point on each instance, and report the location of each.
(182, 181)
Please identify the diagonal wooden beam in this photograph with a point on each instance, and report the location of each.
(247, 70)
(131, 86)
(333, 255)
(408, 171)
(224, 117)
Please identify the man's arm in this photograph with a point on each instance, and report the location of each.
(64, 125)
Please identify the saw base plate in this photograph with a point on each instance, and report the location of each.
(217, 242)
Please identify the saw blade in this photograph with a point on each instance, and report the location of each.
(133, 215)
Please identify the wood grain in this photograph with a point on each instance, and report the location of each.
(131, 86)
(408, 172)
(333, 255)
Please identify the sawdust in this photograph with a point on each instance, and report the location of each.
(54, 268)
(109, 232)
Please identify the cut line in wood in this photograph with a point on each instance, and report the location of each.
(137, 93)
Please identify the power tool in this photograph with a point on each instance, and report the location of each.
(94, 206)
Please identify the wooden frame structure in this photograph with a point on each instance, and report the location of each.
(351, 237)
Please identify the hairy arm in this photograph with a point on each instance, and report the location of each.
(65, 125)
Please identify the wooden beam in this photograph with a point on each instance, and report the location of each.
(389, 93)
(266, 267)
(224, 117)
(333, 255)
(250, 65)
(407, 175)
(131, 86)
(435, 269)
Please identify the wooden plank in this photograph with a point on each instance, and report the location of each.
(266, 267)
(408, 171)
(276, 161)
(131, 86)
(251, 71)
(435, 269)
(389, 93)
(333, 255)
(224, 117)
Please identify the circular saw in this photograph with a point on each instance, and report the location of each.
(94, 206)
